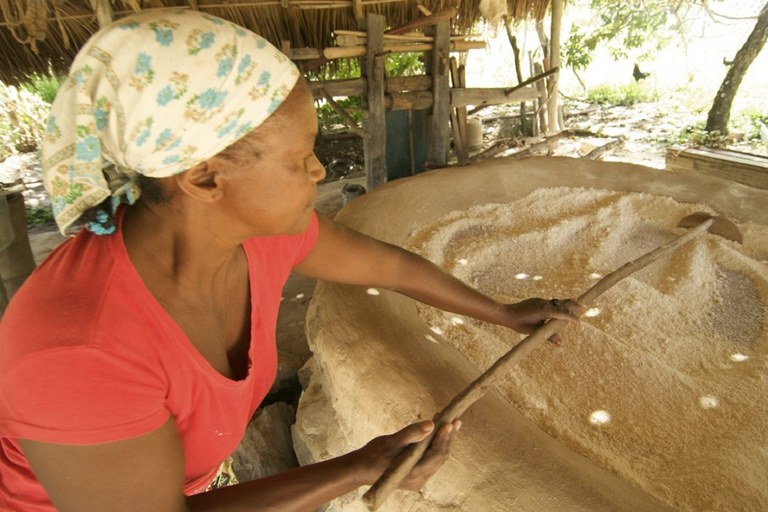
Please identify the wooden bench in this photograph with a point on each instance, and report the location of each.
(744, 168)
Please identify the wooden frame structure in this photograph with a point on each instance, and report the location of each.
(431, 92)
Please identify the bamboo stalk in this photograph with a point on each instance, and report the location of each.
(411, 455)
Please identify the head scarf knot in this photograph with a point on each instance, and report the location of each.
(155, 93)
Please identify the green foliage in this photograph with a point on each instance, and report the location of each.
(696, 135)
(623, 95)
(37, 216)
(404, 64)
(751, 123)
(621, 26)
(45, 85)
(22, 120)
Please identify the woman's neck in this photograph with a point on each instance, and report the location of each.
(177, 244)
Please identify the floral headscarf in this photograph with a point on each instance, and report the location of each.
(155, 93)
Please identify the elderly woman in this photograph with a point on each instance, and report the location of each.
(133, 358)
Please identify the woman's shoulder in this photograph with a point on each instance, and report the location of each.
(61, 301)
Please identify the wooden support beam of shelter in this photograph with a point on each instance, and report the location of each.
(437, 151)
(554, 62)
(374, 122)
(410, 93)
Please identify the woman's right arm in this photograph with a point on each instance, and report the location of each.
(147, 473)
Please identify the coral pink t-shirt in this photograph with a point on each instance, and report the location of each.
(88, 356)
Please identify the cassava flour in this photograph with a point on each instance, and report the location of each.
(664, 381)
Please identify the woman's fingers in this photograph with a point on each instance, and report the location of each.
(433, 458)
(567, 309)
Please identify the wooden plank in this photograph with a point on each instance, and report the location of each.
(416, 97)
(437, 152)
(347, 87)
(339, 52)
(359, 86)
(745, 168)
(417, 100)
(491, 96)
(374, 121)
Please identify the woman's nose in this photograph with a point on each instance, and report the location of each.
(316, 169)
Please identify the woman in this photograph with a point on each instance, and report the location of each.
(133, 358)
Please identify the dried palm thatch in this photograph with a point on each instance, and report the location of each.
(38, 34)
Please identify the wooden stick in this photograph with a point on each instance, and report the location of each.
(358, 40)
(427, 21)
(407, 36)
(411, 455)
(598, 151)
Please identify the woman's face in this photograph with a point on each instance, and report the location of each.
(275, 192)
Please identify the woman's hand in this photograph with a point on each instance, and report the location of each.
(375, 457)
(528, 315)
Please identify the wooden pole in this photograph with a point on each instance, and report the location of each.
(374, 121)
(458, 135)
(357, 8)
(554, 62)
(541, 101)
(441, 96)
(103, 10)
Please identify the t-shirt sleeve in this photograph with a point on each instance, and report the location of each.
(79, 395)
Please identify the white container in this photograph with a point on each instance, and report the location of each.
(474, 133)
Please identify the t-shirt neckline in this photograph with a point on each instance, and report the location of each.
(178, 335)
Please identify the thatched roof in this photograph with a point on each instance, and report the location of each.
(36, 32)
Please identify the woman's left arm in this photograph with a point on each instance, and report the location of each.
(346, 256)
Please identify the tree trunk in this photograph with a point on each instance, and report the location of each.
(720, 113)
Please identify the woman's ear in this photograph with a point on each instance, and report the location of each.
(202, 182)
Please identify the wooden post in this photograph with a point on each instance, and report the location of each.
(103, 10)
(437, 153)
(541, 102)
(554, 62)
(357, 8)
(374, 121)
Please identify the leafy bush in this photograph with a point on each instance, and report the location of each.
(404, 64)
(45, 85)
(696, 135)
(624, 95)
(754, 125)
(39, 215)
(22, 120)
